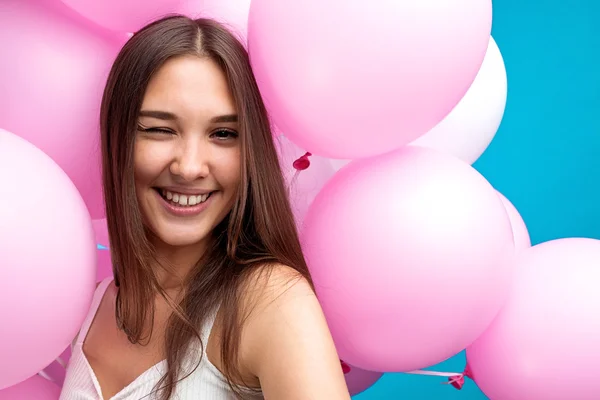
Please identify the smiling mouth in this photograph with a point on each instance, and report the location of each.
(183, 200)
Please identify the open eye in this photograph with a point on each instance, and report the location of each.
(224, 134)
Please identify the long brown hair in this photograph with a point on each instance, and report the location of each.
(258, 232)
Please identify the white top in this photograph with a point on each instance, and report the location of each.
(205, 383)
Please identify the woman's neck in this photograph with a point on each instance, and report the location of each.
(173, 264)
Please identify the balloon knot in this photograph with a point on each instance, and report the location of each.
(458, 381)
(345, 367)
(467, 372)
(303, 162)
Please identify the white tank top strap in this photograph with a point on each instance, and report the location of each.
(207, 327)
(96, 300)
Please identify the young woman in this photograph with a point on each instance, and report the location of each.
(211, 297)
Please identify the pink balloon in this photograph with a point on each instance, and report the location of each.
(358, 380)
(544, 344)
(520, 232)
(104, 269)
(231, 13)
(303, 185)
(34, 388)
(48, 259)
(124, 15)
(350, 78)
(411, 254)
(53, 73)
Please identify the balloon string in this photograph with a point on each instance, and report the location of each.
(433, 373)
(61, 362)
(45, 376)
(300, 164)
(455, 379)
(294, 179)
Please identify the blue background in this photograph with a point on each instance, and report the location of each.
(546, 156)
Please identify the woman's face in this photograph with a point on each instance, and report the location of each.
(187, 151)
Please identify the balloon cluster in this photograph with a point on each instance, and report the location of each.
(380, 109)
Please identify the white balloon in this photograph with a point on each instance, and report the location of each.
(470, 127)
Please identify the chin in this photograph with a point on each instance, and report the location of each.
(179, 236)
(181, 239)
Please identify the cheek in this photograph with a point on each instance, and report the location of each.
(230, 171)
(148, 162)
(226, 167)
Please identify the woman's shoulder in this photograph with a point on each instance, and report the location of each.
(271, 296)
(274, 284)
(262, 296)
(285, 326)
(275, 298)
(276, 301)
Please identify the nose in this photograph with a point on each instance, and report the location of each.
(192, 160)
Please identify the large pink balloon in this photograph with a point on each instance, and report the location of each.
(411, 254)
(48, 259)
(303, 185)
(544, 344)
(53, 73)
(34, 388)
(124, 15)
(520, 232)
(351, 78)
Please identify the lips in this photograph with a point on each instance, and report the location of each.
(183, 200)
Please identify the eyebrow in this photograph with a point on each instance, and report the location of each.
(164, 115)
(224, 118)
(167, 116)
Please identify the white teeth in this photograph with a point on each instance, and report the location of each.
(184, 200)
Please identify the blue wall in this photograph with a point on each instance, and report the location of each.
(546, 155)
